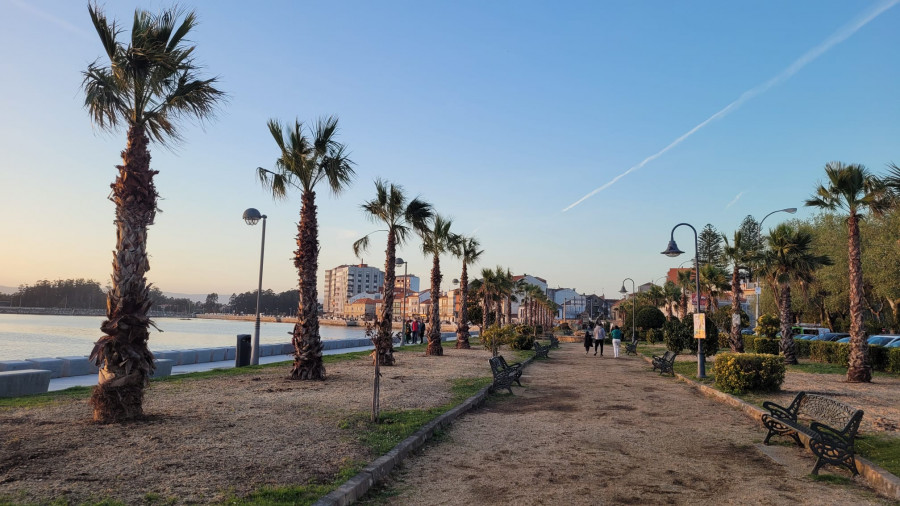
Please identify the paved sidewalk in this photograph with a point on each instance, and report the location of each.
(599, 430)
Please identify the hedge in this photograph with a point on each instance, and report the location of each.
(738, 373)
(880, 358)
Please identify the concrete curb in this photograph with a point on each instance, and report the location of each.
(879, 479)
(377, 470)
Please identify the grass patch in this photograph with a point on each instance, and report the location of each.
(31, 401)
(689, 369)
(296, 494)
(882, 450)
(831, 478)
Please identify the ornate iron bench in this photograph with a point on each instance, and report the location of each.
(832, 441)
(514, 369)
(503, 377)
(631, 348)
(541, 351)
(665, 363)
(554, 342)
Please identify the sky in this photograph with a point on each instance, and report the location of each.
(567, 137)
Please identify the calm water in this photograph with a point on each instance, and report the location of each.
(34, 336)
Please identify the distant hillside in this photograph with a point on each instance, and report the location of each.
(193, 297)
(11, 289)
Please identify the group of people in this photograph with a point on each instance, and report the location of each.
(414, 329)
(595, 339)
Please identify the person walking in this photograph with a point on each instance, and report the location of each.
(588, 340)
(616, 336)
(599, 336)
(407, 324)
(414, 328)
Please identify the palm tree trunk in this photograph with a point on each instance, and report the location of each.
(385, 343)
(462, 329)
(122, 354)
(787, 340)
(858, 369)
(434, 326)
(737, 344)
(308, 364)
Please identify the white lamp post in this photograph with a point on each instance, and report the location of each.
(623, 291)
(252, 217)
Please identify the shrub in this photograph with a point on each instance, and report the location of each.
(539, 329)
(802, 348)
(502, 335)
(894, 360)
(522, 342)
(710, 344)
(764, 345)
(649, 318)
(654, 336)
(738, 373)
(524, 329)
(767, 325)
(675, 335)
(878, 357)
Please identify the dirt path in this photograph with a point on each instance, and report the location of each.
(598, 430)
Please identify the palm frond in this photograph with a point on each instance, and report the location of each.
(103, 97)
(361, 246)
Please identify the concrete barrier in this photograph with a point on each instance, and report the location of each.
(77, 366)
(163, 368)
(204, 355)
(287, 349)
(186, 357)
(230, 353)
(167, 355)
(54, 365)
(15, 365)
(24, 382)
(218, 354)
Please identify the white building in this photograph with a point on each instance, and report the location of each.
(571, 303)
(531, 280)
(409, 281)
(345, 281)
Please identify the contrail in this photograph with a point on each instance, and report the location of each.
(62, 23)
(734, 200)
(836, 38)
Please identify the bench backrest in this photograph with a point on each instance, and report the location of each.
(496, 368)
(831, 412)
(502, 361)
(669, 356)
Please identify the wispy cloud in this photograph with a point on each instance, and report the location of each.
(837, 37)
(62, 23)
(734, 200)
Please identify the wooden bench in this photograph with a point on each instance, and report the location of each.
(503, 377)
(541, 351)
(514, 369)
(631, 348)
(554, 342)
(665, 363)
(831, 431)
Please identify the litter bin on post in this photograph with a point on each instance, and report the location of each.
(243, 350)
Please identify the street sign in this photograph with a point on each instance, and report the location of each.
(699, 326)
(736, 319)
(758, 290)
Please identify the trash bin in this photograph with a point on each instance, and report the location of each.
(243, 350)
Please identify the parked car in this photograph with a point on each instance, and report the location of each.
(843, 340)
(883, 339)
(807, 328)
(747, 332)
(805, 337)
(831, 336)
(895, 344)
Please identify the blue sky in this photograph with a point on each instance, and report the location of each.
(501, 114)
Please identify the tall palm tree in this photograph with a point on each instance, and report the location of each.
(713, 281)
(672, 295)
(466, 249)
(740, 255)
(789, 260)
(436, 240)
(303, 163)
(686, 283)
(505, 286)
(150, 83)
(401, 216)
(854, 189)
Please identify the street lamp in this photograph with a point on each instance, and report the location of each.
(673, 251)
(623, 291)
(252, 217)
(452, 301)
(399, 261)
(758, 291)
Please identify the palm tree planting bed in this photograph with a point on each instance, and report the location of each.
(205, 439)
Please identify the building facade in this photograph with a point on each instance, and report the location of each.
(345, 281)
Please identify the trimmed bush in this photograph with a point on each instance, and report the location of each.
(879, 357)
(649, 318)
(654, 336)
(675, 335)
(503, 335)
(767, 346)
(738, 373)
(522, 342)
(802, 348)
(894, 360)
(767, 325)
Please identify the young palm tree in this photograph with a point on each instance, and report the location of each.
(686, 283)
(740, 255)
(854, 189)
(390, 207)
(303, 162)
(789, 260)
(436, 241)
(151, 82)
(713, 281)
(672, 295)
(467, 250)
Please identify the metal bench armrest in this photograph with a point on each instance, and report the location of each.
(831, 435)
(779, 411)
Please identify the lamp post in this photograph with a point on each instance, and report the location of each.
(673, 251)
(623, 291)
(452, 301)
(399, 261)
(758, 290)
(252, 217)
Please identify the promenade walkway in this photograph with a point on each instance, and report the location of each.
(599, 430)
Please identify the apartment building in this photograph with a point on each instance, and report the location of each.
(345, 281)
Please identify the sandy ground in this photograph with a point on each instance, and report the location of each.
(204, 439)
(598, 430)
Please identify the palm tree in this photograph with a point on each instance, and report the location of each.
(854, 189)
(672, 295)
(505, 287)
(740, 254)
(303, 162)
(467, 250)
(390, 207)
(713, 281)
(789, 260)
(686, 283)
(151, 82)
(436, 240)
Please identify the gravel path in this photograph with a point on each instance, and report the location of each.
(599, 430)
